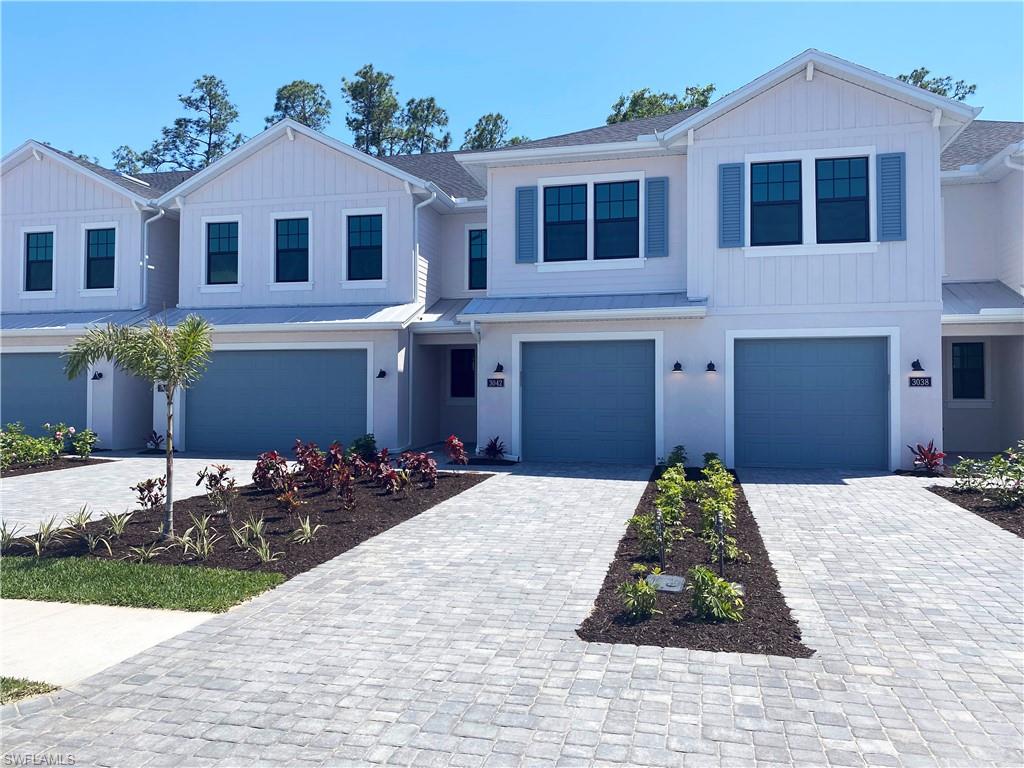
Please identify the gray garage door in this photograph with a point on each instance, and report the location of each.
(34, 389)
(812, 403)
(257, 401)
(588, 401)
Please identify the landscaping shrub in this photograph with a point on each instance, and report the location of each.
(650, 538)
(364, 447)
(1001, 478)
(221, 490)
(83, 442)
(968, 474)
(19, 449)
(422, 464)
(927, 457)
(674, 490)
(59, 434)
(638, 597)
(713, 598)
(455, 450)
(495, 448)
(712, 458)
(306, 531)
(155, 441)
(151, 493)
(677, 457)
(271, 472)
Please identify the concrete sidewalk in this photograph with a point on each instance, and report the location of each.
(62, 643)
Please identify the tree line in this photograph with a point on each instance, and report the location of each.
(381, 125)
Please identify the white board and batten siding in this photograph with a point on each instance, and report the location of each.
(298, 179)
(44, 194)
(824, 114)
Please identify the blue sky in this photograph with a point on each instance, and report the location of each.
(89, 77)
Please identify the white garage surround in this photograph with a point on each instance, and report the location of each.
(892, 334)
(512, 370)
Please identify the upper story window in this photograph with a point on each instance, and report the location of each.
(366, 247)
(968, 370)
(99, 258)
(565, 223)
(477, 259)
(222, 253)
(842, 200)
(39, 261)
(291, 255)
(617, 220)
(775, 203)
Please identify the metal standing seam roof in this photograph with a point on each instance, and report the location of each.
(975, 297)
(305, 316)
(72, 321)
(655, 303)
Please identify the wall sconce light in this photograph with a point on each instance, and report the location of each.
(97, 376)
(711, 367)
(677, 368)
(381, 374)
(916, 366)
(499, 368)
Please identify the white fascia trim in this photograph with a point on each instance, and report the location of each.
(830, 65)
(586, 314)
(504, 156)
(333, 325)
(986, 316)
(19, 333)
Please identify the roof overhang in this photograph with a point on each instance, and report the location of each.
(36, 151)
(986, 316)
(995, 168)
(638, 313)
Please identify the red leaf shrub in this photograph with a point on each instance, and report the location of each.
(927, 457)
(422, 464)
(455, 450)
(271, 472)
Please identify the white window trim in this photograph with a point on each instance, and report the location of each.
(808, 199)
(355, 284)
(514, 366)
(273, 285)
(460, 401)
(236, 286)
(590, 263)
(23, 248)
(487, 259)
(896, 379)
(82, 290)
(947, 375)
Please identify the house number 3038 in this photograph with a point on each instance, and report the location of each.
(920, 381)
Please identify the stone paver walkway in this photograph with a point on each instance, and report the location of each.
(449, 640)
(28, 499)
(62, 643)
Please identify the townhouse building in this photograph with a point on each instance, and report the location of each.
(816, 270)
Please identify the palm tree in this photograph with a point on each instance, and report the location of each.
(174, 357)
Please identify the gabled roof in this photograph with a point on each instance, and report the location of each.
(152, 184)
(628, 130)
(980, 142)
(444, 170)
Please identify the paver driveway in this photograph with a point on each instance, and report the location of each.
(28, 499)
(449, 640)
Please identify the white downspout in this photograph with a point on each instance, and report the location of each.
(144, 279)
(416, 244)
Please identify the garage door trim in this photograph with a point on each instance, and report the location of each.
(513, 382)
(892, 334)
(181, 402)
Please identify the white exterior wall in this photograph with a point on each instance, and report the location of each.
(431, 256)
(694, 402)
(507, 278)
(298, 178)
(455, 254)
(45, 193)
(1010, 235)
(823, 114)
(162, 279)
(971, 214)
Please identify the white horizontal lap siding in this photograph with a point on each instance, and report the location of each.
(293, 177)
(803, 117)
(43, 195)
(507, 278)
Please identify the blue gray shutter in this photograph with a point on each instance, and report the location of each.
(730, 205)
(892, 196)
(656, 213)
(526, 225)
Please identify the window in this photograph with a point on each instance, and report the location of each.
(222, 253)
(39, 261)
(99, 258)
(365, 247)
(477, 259)
(462, 373)
(565, 223)
(291, 263)
(617, 220)
(842, 200)
(969, 370)
(775, 217)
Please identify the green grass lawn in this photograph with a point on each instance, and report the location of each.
(16, 688)
(116, 582)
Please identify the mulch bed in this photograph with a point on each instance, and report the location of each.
(767, 626)
(64, 462)
(373, 513)
(1008, 518)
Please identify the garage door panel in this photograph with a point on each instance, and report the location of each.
(588, 401)
(34, 390)
(260, 400)
(811, 403)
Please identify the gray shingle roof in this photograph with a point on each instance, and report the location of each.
(442, 169)
(603, 134)
(980, 141)
(157, 183)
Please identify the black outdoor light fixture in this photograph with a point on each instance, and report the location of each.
(677, 368)
(711, 367)
(916, 366)
(97, 376)
(381, 373)
(499, 368)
